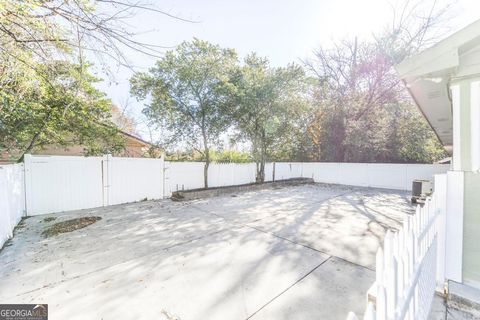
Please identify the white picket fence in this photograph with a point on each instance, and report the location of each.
(406, 267)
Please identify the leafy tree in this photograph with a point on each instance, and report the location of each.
(60, 107)
(54, 102)
(188, 91)
(269, 104)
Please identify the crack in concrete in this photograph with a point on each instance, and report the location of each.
(284, 238)
(288, 288)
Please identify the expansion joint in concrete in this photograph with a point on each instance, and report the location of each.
(288, 288)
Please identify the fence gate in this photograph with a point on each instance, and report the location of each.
(62, 183)
(56, 183)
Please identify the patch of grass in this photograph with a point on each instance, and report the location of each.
(69, 226)
(49, 219)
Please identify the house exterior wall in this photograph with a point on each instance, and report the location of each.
(466, 123)
(471, 229)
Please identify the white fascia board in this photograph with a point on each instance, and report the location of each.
(442, 56)
(428, 62)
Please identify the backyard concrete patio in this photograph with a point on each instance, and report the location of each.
(303, 252)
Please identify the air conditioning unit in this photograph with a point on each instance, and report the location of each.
(420, 190)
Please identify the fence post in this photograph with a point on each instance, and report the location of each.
(440, 198)
(106, 178)
(273, 171)
(27, 176)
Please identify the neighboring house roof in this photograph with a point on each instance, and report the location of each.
(140, 140)
(428, 74)
(134, 147)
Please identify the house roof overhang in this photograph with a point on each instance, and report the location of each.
(428, 75)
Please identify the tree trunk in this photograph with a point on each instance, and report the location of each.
(36, 135)
(207, 162)
(205, 173)
(263, 156)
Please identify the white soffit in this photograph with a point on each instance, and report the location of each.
(433, 99)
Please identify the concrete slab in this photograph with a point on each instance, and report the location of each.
(124, 233)
(332, 290)
(268, 254)
(346, 222)
(231, 272)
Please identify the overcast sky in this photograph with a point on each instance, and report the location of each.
(282, 30)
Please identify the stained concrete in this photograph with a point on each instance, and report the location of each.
(442, 309)
(289, 253)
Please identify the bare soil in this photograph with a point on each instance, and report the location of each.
(69, 226)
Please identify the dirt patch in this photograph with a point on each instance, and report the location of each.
(49, 219)
(69, 226)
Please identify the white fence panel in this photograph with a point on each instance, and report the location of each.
(133, 179)
(183, 176)
(309, 170)
(389, 176)
(244, 173)
(221, 174)
(353, 174)
(230, 174)
(61, 183)
(269, 171)
(12, 199)
(327, 172)
(375, 175)
(288, 170)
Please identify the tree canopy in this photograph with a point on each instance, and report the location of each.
(188, 91)
(60, 107)
(268, 106)
(47, 94)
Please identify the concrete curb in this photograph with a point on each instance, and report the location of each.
(186, 195)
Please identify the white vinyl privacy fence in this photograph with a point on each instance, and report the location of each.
(189, 175)
(375, 175)
(12, 199)
(61, 183)
(410, 266)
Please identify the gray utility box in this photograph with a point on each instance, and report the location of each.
(420, 190)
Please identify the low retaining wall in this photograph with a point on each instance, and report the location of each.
(216, 191)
